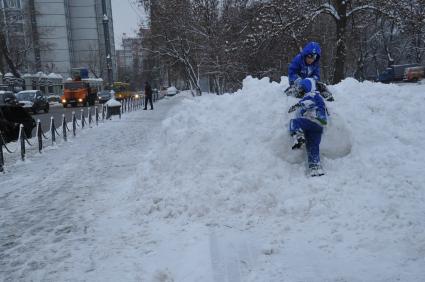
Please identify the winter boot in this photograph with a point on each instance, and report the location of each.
(316, 170)
(299, 140)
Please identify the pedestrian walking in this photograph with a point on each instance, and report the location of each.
(148, 95)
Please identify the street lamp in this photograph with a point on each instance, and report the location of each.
(107, 42)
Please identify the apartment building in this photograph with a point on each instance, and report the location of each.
(66, 34)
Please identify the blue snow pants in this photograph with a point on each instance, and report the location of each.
(313, 135)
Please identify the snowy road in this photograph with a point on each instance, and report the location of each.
(47, 214)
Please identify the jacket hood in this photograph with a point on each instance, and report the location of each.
(312, 48)
(308, 85)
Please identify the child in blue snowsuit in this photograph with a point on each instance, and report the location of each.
(308, 125)
(306, 65)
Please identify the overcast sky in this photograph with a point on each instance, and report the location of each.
(126, 16)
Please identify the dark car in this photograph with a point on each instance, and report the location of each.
(8, 98)
(10, 119)
(33, 100)
(103, 96)
(394, 73)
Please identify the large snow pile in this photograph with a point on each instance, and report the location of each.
(225, 194)
(207, 189)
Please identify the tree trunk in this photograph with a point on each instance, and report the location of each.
(6, 55)
(341, 26)
(1, 64)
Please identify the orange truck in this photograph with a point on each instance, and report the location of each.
(77, 91)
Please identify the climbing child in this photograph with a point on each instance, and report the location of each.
(307, 127)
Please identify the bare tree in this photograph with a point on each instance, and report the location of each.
(94, 63)
(229, 39)
(19, 38)
(174, 36)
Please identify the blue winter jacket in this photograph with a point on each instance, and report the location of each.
(313, 107)
(298, 67)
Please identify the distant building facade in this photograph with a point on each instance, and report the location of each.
(130, 61)
(66, 34)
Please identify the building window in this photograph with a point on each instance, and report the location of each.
(12, 3)
(17, 27)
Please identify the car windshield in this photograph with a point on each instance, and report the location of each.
(74, 85)
(105, 94)
(25, 96)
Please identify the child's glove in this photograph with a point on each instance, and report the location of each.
(291, 91)
(327, 96)
(293, 108)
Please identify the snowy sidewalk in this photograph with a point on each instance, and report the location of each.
(51, 205)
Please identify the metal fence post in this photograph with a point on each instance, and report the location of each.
(83, 121)
(64, 128)
(22, 139)
(74, 124)
(89, 115)
(52, 130)
(39, 136)
(1, 153)
(96, 114)
(103, 112)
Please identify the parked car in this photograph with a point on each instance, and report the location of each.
(171, 91)
(414, 73)
(103, 96)
(394, 73)
(7, 97)
(33, 100)
(10, 119)
(53, 99)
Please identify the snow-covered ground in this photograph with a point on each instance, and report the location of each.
(207, 189)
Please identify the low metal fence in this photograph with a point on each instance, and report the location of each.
(88, 118)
